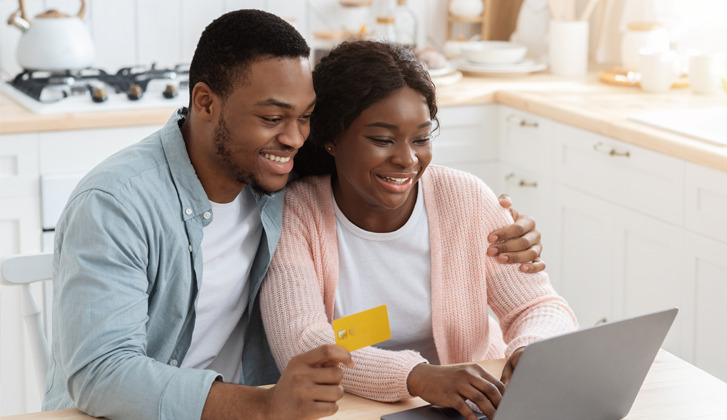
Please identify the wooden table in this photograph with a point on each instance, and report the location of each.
(673, 389)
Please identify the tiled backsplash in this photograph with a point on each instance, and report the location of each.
(128, 32)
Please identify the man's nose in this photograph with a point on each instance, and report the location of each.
(294, 135)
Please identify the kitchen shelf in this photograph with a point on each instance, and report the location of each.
(483, 20)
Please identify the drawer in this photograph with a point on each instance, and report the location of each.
(706, 201)
(18, 165)
(525, 139)
(59, 150)
(627, 175)
(466, 134)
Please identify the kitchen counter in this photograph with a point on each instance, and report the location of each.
(581, 102)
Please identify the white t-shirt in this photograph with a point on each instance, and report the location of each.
(229, 246)
(392, 269)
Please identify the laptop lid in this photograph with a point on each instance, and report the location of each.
(593, 373)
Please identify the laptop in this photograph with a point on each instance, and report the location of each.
(590, 374)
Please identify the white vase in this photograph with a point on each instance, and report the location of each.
(466, 8)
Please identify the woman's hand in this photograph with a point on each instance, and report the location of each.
(451, 386)
(509, 368)
(517, 243)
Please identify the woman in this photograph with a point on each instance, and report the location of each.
(383, 228)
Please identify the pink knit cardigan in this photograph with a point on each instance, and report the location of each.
(297, 297)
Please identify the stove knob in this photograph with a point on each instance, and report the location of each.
(135, 93)
(99, 95)
(170, 92)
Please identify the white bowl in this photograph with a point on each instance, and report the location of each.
(493, 52)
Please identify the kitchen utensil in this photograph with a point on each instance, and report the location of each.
(493, 52)
(586, 14)
(568, 47)
(53, 41)
(706, 71)
(640, 35)
(658, 69)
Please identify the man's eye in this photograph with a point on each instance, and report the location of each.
(272, 119)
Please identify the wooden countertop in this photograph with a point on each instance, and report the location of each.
(673, 389)
(582, 102)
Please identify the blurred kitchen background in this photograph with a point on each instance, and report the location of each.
(138, 32)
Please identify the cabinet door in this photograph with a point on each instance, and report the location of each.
(706, 312)
(525, 140)
(467, 140)
(633, 177)
(585, 229)
(532, 195)
(18, 165)
(706, 201)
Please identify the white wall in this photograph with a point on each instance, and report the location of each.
(140, 32)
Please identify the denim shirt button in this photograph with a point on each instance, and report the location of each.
(173, 362)
(188, 211)
(207, 215)
(190, 247)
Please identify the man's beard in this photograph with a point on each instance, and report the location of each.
(222, 142)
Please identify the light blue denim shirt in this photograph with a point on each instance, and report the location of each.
(127, 270)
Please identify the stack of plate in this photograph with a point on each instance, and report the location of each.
(446, 75)
(496, 57)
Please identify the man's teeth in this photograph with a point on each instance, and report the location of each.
(394, 180)
(276, 158)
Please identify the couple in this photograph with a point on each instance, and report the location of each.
(160, 255)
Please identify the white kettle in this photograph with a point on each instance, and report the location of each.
(53, 41)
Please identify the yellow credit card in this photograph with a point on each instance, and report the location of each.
(362, 329)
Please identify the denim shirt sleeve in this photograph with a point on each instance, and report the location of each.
(100, 327)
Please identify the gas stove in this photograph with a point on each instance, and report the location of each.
(90, 90)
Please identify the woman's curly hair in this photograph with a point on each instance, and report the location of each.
(350, 79)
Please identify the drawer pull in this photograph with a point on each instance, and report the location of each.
(521, 122)
(521, 182)
(610, 151)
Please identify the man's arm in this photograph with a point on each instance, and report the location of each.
(308, 389)
(517, 243)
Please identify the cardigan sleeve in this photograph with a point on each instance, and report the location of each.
(303, 271)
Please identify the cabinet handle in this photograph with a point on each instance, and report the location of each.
(610, 151)
(521, 182)
(521, 122)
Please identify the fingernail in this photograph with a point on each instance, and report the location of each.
(504, 258)
(493, 238)
(526, 268)
(492, 251)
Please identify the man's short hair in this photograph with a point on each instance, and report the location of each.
(235, 40)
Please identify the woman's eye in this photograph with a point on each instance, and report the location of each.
(424, 140)
(380, 140)
(305, 117)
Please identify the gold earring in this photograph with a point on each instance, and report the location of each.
(329, 148)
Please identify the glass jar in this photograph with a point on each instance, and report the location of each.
(405, 24)
(640, 35)
(385, 31)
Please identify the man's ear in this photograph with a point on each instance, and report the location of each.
(204, 102)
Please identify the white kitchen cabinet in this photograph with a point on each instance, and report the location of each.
(642, 180)
(706, 202)
(705, 312)
(467, 140)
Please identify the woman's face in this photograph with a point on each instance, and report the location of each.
(380, 158)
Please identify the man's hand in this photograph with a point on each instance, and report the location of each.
(451, 386)
(308, 389)
(310, 385)
(509, 368)
(517, 243)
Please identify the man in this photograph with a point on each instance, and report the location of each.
(161, 250)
